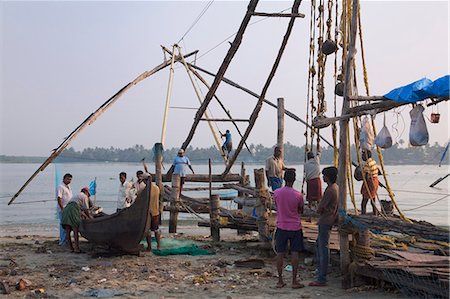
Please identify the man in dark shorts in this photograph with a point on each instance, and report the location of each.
(154, 214)
(289, 226)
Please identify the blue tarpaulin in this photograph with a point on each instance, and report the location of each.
(420, 90)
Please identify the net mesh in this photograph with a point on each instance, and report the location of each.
(418, 286)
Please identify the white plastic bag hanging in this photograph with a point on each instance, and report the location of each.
(384, 138)
(366, 134)
(418, 133)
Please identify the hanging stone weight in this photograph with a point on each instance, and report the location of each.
(339, 89)
(318, 122)
(329, 47)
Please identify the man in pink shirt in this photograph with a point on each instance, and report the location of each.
(289, 227)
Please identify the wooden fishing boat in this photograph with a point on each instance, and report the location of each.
(122, 230)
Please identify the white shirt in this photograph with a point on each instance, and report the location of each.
(65, 193)
(82, 200)
(312, 168)
(124, 194)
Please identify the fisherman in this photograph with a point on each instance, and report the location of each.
(328, 215)
(274, 169)
(154, 213)
(180, 166)
(369, 191)
(312, 177)
(125, 197)
(154, 208)
(289, 227)
(227, 145)
(77, 208)
(64, 194)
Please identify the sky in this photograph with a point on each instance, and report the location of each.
(61, 60)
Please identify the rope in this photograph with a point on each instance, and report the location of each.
(231, 35)
(429, 204)
(197, 19)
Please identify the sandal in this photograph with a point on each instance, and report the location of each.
(280, 285)
(317, 284)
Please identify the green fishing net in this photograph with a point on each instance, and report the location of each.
(170, 246)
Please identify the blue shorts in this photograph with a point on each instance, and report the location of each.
(294, 237)
(275, 183)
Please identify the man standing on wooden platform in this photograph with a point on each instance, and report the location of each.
(328, 215)
(369, 191)
(228, 144)
(289, 227)
(274, 169)
(312, 177)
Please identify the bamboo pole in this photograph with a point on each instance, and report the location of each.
(261, 205)
(224, 119)
(255, 95)
(280, 132)
(210, 124)
(174, 203)
(214, 217)
(223, 68)
(158, 172)
(242, 182)
(279, 15)
(343, 154)
(169, 94)
(88, 121)
(227, 112)
(258, 107)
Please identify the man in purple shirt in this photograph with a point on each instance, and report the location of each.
(289, 227)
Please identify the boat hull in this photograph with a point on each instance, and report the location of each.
(122, 230)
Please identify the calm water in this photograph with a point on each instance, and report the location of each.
(410, 185)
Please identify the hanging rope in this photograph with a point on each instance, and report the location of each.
(310, 88)
(205, 9)
(380, 155)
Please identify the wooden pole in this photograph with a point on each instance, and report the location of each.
(255, 95)
(262, 200)
(210, 124)
(258, 106)
(210, 178)
(214, 217)
(88, 121)
(343, 154)
(280, 133)
(169, 93)
(158, 173)
(174, 203)
(242, 182)
(223, 68)
(227, 112)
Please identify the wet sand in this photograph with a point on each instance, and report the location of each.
(49, 271)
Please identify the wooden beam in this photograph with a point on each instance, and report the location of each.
(360, 110)
(358, 98)
(343, 153)
(225, 119)
(88, 121)
(255, 95)
(227, 112)
(280, 123)
(258, 107)
(279, 15)
(223, 68)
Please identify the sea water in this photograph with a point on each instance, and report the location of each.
(34, 209)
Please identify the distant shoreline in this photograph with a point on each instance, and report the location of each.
(39, 160)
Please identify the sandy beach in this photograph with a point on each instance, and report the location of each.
(49, 271)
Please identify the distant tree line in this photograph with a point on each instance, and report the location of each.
(256, 154)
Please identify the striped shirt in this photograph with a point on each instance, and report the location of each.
(371, 167)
